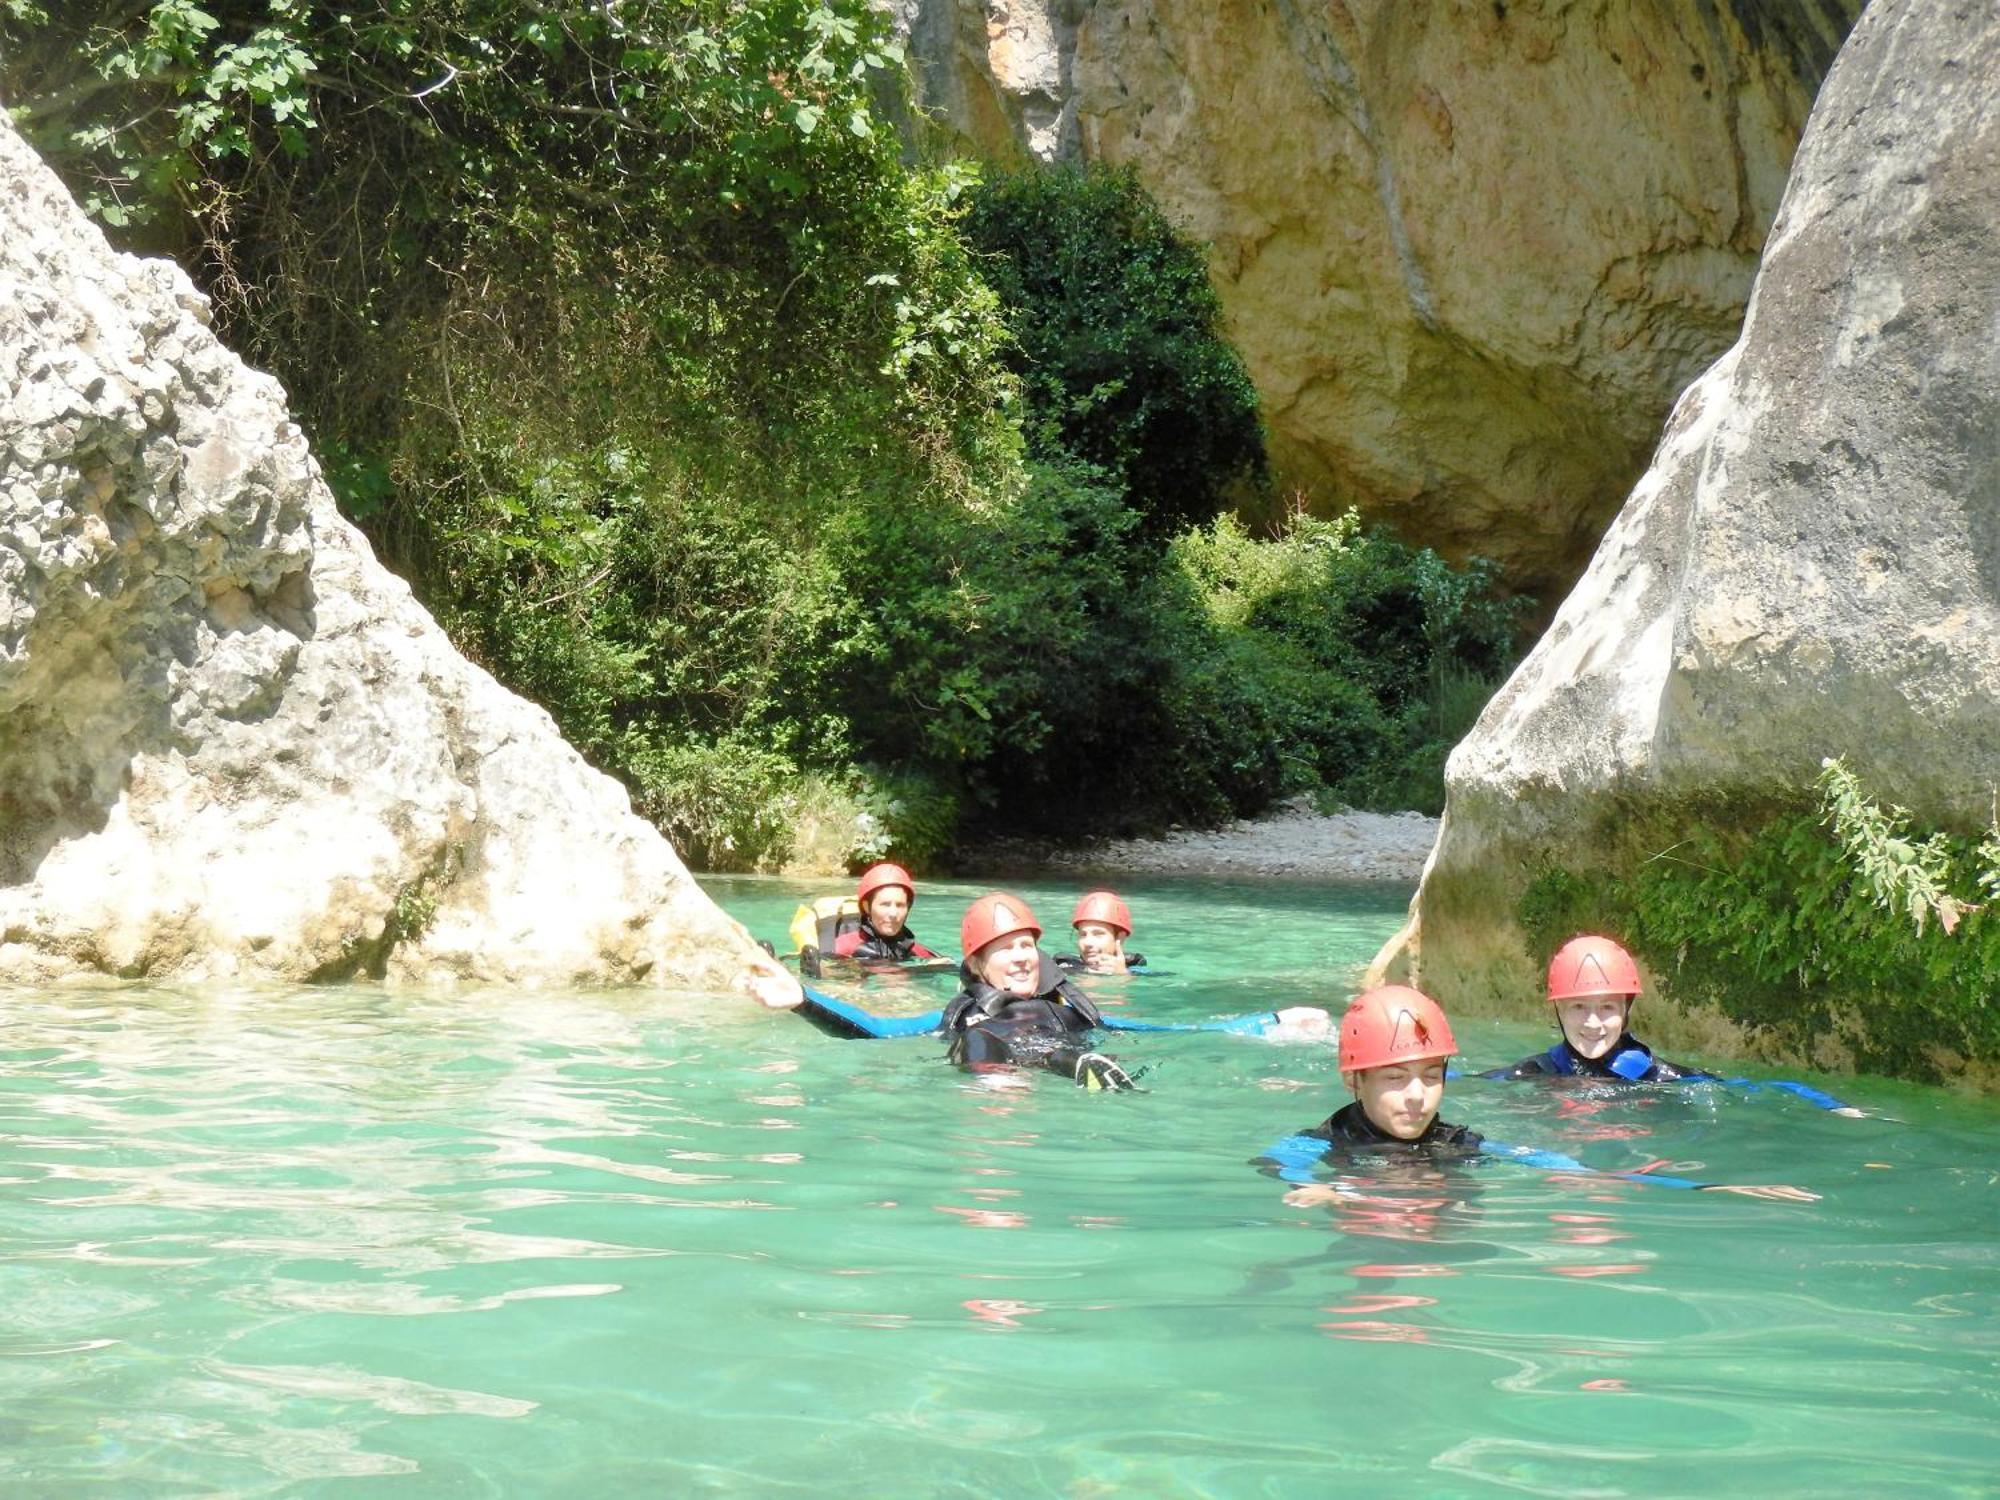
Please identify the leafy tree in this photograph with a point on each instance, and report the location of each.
(1119, 339)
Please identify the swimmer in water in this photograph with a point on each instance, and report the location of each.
(1015, 1009)
(1102, 924)
(1592, 985)
(885, 894)
(1394, 1044)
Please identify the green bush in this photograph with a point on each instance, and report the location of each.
(1119, 339)
(1367, 658)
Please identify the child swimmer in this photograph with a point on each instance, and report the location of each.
(1394, 1044)
(885, 894)
(1102, 922)
(1592, 984)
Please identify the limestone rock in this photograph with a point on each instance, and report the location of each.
(1811, 567)
(1471, 252)
(230, 742)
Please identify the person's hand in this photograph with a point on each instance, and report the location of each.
(771, 984)
(1313, 1195)
(1302, 1023)
(1772, 1191)
(1850, 1111)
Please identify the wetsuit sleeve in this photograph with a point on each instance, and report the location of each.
(842, 1019)
(1255, 1025)
(1293, 1158)
(847, 944)
(1555, 1161)
(1818, 1098)
(918, 950)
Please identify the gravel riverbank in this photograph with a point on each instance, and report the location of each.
(1295, 842)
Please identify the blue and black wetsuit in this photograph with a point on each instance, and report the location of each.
(1348, 1134)
(996, 1028)
(1632, 1061)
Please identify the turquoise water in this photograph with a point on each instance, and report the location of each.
(342, 1241)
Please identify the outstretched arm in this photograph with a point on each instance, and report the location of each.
(1818, 1098)
(1555, 1161)
(1293, 1158)
(771, 985)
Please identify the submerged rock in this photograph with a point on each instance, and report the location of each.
(1470, 253)
(1811, 567)
(230, 742)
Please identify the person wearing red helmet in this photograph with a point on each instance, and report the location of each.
(1592, 984)
(1102, 922)
(885, 894)
(1014, 1009)
(1394, 1045)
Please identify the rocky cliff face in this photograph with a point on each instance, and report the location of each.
(1471, 252)
(1811, 567)
(230, 743)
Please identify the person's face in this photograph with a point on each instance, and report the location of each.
(1100, 945)
(1012, 963)
(888, 908)
(1401, 1099)
(1592, 1024)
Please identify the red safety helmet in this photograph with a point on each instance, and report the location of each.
(994, 915)
(1393, 1024)
(875, 877)
(1591, 965)
(1105, 907)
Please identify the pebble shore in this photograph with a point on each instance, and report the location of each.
(1295, 842)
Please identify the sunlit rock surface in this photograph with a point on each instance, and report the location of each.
(1811, 567)
(1471, 252)
(230, 742)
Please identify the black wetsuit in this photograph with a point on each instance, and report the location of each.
(1069, 963)
(1349, 1132)
(868, 946)
(992, 1028)
(1631, 1060)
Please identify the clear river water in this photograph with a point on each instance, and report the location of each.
(348, 1241)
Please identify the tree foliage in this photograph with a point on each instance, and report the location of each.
(1119, 339)
(629, 335)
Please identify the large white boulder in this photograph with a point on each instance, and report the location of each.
(1811, 567)
(231, 744)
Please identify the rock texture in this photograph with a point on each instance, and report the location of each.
(230, 743)
(1811, 567)
(1471, 252)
